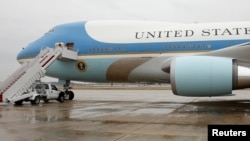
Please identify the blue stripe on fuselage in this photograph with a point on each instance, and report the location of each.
(89, 46)
(105, 48)
(76, 32)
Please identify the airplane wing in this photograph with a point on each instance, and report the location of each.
(239, 52)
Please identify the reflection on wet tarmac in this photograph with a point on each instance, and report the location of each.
(128, 115)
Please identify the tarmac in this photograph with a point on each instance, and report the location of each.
(123, 115)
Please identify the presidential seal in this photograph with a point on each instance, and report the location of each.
(81, 66)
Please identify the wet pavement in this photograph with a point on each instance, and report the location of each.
(123, 115)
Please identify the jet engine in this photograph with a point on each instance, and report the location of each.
(207, 76)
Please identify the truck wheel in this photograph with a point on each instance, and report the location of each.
(20, 102)
(45, 99)
(71, 95)
(36, 101)
(61, 97)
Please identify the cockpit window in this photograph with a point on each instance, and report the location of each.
(51, 31)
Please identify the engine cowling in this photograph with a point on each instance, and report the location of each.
(207, 76)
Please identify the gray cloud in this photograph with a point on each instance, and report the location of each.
(26, 20)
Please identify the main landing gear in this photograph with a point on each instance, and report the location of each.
(68, 93)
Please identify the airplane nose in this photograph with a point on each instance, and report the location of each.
(20, 56)
(23, 55)
(33, 49)
(57, 34)
(27, 53)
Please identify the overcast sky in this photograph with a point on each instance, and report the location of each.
(23, 21)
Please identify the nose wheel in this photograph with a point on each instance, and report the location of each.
(70, 94)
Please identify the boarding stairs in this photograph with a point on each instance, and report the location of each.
(15, 87)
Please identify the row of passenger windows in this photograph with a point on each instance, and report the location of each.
(109, 49)
(148, 48)
(200, 46)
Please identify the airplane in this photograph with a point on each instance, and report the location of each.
(197, 59)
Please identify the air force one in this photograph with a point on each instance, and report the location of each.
(199, 59)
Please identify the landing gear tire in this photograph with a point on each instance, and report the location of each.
(71, 95)
(36, 101)
(61, 97)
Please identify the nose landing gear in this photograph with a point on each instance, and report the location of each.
(68, 93)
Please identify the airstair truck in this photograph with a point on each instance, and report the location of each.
(15, 88)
